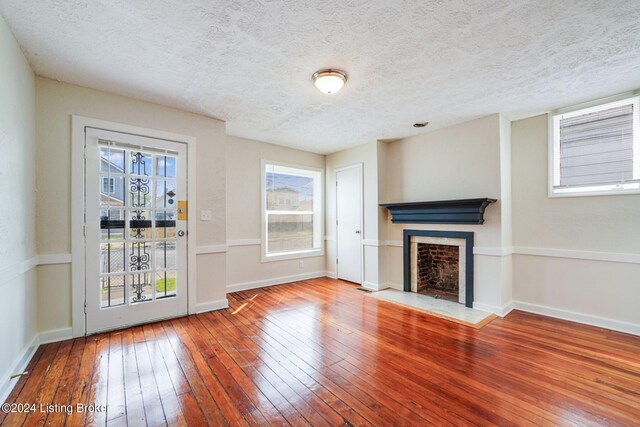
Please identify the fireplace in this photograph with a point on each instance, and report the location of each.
(437, 270)
(439, 264)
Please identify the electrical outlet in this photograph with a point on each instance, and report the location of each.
(301, 263)
(205, 215)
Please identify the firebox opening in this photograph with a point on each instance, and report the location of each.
(438, 271)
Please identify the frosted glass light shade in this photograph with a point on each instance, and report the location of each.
(329, 81)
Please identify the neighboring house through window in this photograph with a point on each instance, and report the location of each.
(108, 185)
(292, 211)
(596, 150)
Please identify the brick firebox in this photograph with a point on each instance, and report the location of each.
(438, 270)
(439, 265)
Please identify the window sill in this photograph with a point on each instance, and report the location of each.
(608, 192)
(292, 255)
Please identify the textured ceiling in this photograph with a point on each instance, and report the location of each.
(250, 62)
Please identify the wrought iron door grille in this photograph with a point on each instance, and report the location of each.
(138, 250)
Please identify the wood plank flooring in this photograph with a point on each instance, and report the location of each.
(320, 352)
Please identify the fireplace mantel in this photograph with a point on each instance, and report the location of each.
(463, 211)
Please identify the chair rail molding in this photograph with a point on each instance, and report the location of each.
(211, 249)
(52, 259)
(17, 269)
(624, 257)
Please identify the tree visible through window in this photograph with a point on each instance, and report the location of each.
(293, 214)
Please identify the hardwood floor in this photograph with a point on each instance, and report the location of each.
(320, 352)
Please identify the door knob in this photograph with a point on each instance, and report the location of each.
(357, 231)
(181, 233)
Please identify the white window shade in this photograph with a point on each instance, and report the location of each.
(596, 149)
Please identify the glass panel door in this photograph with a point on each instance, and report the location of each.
(135, 243)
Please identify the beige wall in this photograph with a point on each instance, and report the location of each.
(17, 186)
(244, 214)
(591, 223)
(458, 162)
(609, 224)
(56, 103)
(488, 157)
(228, 184)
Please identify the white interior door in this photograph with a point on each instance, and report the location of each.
(135, 239)
(349, 223)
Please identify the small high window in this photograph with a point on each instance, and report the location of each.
(596, 150)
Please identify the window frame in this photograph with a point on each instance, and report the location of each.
(554, 118)
(318, 213)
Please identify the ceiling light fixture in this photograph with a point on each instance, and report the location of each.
(329, 81)
(420, 125)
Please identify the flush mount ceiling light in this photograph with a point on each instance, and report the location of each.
(329, 81)
(420, 124)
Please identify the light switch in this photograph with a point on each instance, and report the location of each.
(205, 215)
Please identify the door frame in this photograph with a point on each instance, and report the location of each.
(360, 167)
(78, 273)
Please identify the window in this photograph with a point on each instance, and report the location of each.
(108, 185)
(292, 211)
(596, 150)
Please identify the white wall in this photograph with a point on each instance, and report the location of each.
(244, 216)
(18, 305)
(557, 229)
(56, 102)
(464, 161)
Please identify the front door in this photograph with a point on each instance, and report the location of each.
(135, 229)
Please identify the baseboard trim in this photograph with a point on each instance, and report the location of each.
(374, 286)
(495, 309)
(22, 361)
(274, 281)
(219, 304)
(331, 275)
(20, 364)
(396, 286)
(55, 335)
(587, 319)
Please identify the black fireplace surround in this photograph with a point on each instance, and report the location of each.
(468, 267)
